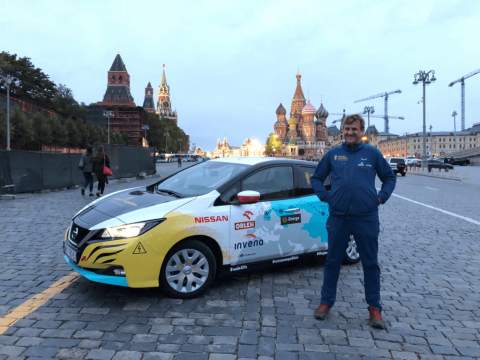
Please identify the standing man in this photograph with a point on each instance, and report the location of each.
(353, 203)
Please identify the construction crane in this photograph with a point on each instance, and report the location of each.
(385, 95)
(462, 83)
(371, 116)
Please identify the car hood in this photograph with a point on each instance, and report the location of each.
(127, 206)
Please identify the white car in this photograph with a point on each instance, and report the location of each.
(231, 214)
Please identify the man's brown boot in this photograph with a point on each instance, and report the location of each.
(376, 320)
(321, 312)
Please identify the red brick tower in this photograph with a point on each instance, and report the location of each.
(118, 86)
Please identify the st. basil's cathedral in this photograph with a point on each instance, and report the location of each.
(304, 134)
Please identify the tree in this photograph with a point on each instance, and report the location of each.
(73, 133)
(22, 131)
(34, 84)
(273, 145)
(59, 132)
(42, 132)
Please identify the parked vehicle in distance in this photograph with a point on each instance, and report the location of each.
(397, 164)
(411, 160)
(453, 161)
(438, 164)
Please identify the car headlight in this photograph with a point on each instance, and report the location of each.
(129, 230)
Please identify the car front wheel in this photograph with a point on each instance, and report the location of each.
(188, 270)
(352, 255)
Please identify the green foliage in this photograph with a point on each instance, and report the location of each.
(165, 135)
(21, 131)
(42, 131)
(34, 84)
(273, 145)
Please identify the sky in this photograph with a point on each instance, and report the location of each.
(230, 63)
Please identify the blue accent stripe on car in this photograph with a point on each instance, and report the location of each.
(103, 279)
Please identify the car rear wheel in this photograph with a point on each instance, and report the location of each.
(188, 270)
(352, 255)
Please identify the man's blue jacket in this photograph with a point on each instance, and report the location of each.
(352, 171)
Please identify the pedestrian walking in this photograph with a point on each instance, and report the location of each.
(101, 168)
(86, 166)
(179, 161)
(353, 203)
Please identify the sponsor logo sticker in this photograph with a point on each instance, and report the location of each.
(242, 225)
(291, 219)
(248, 214)
(291, 258)
(251, 242)
(210, 219)
(238, 268)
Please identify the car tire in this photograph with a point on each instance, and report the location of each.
(188, 270)
(351, 253)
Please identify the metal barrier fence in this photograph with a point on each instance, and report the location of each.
(27, 171)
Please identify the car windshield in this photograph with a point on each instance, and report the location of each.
(200, 179)
(397, 161)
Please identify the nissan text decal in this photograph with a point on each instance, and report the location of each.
(209, 219)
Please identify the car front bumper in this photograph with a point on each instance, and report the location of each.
(92, 276)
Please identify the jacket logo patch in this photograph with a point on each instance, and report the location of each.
(340, 158)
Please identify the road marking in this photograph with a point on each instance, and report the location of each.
(470, 220)
(431, 188)
(37, 300)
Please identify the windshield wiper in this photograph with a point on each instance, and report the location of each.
(170, 192)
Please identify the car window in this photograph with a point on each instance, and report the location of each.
(272, 183)
(304, 184)
(201, 179)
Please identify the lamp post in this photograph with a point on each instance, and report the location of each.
(425, 77)
(8, 80)
(108, 114)
(145, 128)
(454, 115)
(368, 110)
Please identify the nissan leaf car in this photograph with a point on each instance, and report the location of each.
(224, 215)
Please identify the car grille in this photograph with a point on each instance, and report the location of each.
(77, 234)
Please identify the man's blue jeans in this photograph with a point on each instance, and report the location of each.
(365, 230)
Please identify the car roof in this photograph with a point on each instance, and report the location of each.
(251, 160)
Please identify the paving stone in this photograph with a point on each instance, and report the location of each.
(100, 354)
(127, 355)
(71, 353)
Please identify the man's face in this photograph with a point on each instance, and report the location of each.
(352, 133)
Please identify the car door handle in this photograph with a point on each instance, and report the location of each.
(291, 210)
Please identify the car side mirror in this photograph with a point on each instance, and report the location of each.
(248, 197)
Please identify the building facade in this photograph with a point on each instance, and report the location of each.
(148, 103)
(117, 110)
(164, 104)
(249, 147)
(439, 144)
(304, 134)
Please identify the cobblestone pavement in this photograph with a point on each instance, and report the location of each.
(430, 286)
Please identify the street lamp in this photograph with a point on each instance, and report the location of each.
(454, 115)
(108, 114)
(145, 128)
(368, 110)
(8, 80)
(425, 77)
